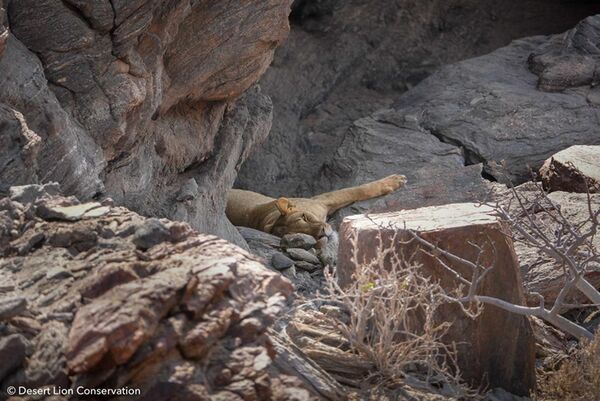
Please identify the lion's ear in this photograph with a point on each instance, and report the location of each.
(284, 206)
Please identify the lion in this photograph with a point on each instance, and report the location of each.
(301, 215)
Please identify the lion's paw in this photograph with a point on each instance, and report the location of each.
(393, 182)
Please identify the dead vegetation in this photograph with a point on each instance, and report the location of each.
(384, 330)
(578, 378)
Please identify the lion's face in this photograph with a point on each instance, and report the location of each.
(298, 221)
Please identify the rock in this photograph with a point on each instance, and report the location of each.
(189, 191)
(3, 31)
(281, 262)
(298, 240)
(12, 306)
(307, 266)
(252, 237)
(164, 102)
(303, 255)
(12, 353)
(575, 169)
(343, 61)
(327, 249)
(570, 60)
(58, 273)
(152, 232)
(482, 344)
(71, 213)
(31, 193)
(545, 276)
(261, 244)
(191, 303)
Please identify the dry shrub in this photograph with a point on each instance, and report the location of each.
(578, 378)
(393, 322)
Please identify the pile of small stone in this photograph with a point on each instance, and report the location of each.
(299, 257)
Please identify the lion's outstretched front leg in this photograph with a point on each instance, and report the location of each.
(338, 199)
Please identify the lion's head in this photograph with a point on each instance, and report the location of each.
(295, 220)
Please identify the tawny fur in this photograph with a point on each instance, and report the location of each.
(301, 215)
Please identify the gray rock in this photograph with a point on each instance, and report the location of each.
(345, 60)
(281, 262)
(298, 240)
(58, 273)
(12, 306)
(327, 249)
(261, 244)
(71, 213)
(12, 353)
(309, 267)
(30, 193)
(189, 191)
(252, 236)
(151, 232)
(303, 255)
(132, 100)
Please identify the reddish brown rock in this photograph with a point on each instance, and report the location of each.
(575, 169)
(496, 349)
(135, 98)
(185, 317)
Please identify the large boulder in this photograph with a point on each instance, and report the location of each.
(345, 60)
(575, 169)
(98, 296)
(497, 348)
(137, 100)
(540, 274)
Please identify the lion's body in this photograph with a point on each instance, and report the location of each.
(307, 215)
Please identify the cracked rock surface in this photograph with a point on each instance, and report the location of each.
(142, 101)
(361, 109)
(180, 315)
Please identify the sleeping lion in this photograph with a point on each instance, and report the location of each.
(301, 215)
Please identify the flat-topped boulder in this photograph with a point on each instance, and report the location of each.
(497, 348)
(575, 169)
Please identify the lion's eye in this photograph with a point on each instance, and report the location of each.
(304, 217)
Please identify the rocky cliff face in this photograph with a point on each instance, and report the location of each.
(130, 302)
(143, 101)
(342, 117)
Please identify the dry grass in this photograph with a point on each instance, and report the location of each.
(578, 378)
(392, 322)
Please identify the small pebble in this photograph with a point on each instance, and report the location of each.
(280, 262)
(302, 254)
(298, 240)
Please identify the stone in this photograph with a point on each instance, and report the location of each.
(30, 193)
(281, 262)
(575, 169)
(190, 303)
(58, 273)
(482, 343)
(303, 255)
(12, 306)
(327, 249)
(308, 267)
(343, 65)
(545, 276)
(71, 213)
(12, 353)
(298, 240)
(189, 191)
(252, 236)
(164, 102)
(152, 232)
